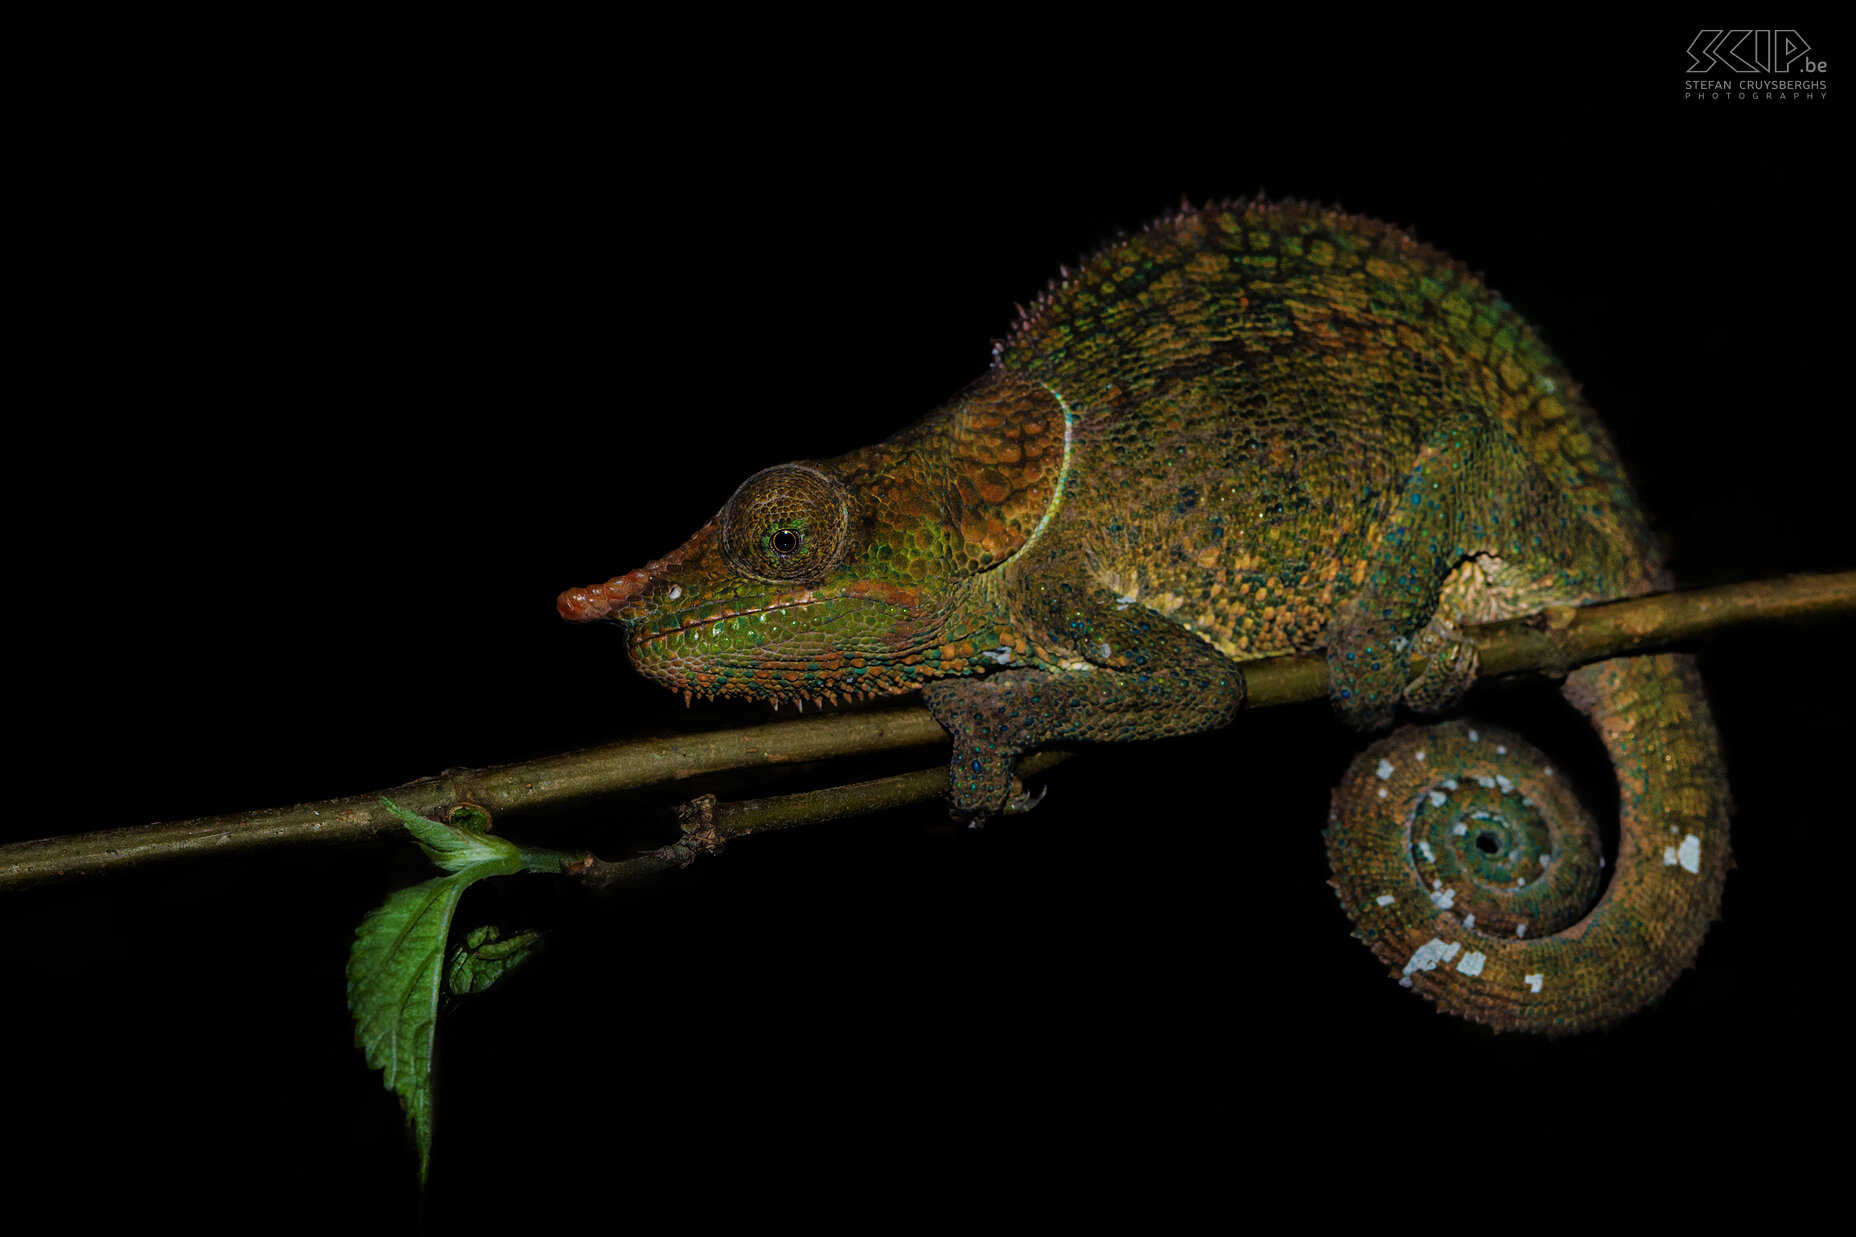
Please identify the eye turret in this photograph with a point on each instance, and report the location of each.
(786, 523)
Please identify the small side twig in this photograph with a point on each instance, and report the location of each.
(709, 824)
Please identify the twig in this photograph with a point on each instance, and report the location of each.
(709, 823)
(1553, 641)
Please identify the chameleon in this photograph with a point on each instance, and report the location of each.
(1252, 429)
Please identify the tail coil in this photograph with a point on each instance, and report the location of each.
(1468, 866)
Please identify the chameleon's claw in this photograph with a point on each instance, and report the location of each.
(1023, 801)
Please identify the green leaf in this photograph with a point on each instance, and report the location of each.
(485, 957)
(450, 847)
(396, 964)
(458, 846)
(394, 968)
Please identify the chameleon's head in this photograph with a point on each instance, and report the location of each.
(846, 576)
(794, 591)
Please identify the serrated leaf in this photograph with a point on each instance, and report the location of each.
(394, 969)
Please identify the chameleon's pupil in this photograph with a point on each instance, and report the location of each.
(785, 542)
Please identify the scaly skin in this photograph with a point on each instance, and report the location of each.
(1248, 430)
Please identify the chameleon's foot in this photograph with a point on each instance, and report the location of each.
(1449, 672)
(984, 717)
(1366, 673)
(1176, 684)
(1017, 803)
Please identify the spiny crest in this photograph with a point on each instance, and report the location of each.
(1094, 267)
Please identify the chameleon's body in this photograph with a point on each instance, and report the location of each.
(1248, 431)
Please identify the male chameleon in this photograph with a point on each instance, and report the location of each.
(1251, 430)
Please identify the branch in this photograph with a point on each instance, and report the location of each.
(551, 781)
(1552, 641)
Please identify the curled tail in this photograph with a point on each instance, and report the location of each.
(1470, 869)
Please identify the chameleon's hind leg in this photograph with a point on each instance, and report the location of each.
(1459, 517)
(1372, 636)
(1482, 589)
(1139, 675)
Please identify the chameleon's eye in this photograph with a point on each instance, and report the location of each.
(786, 523)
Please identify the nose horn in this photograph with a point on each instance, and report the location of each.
(596, 601)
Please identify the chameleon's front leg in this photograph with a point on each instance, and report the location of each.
(1139, 675)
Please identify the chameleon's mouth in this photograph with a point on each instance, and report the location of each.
(693, 619)
(801, 648)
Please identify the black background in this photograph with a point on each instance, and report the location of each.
(361, 356)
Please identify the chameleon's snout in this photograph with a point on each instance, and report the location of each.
(598, 601)
(622, 598)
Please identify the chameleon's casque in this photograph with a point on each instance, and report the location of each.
(1251, 430)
